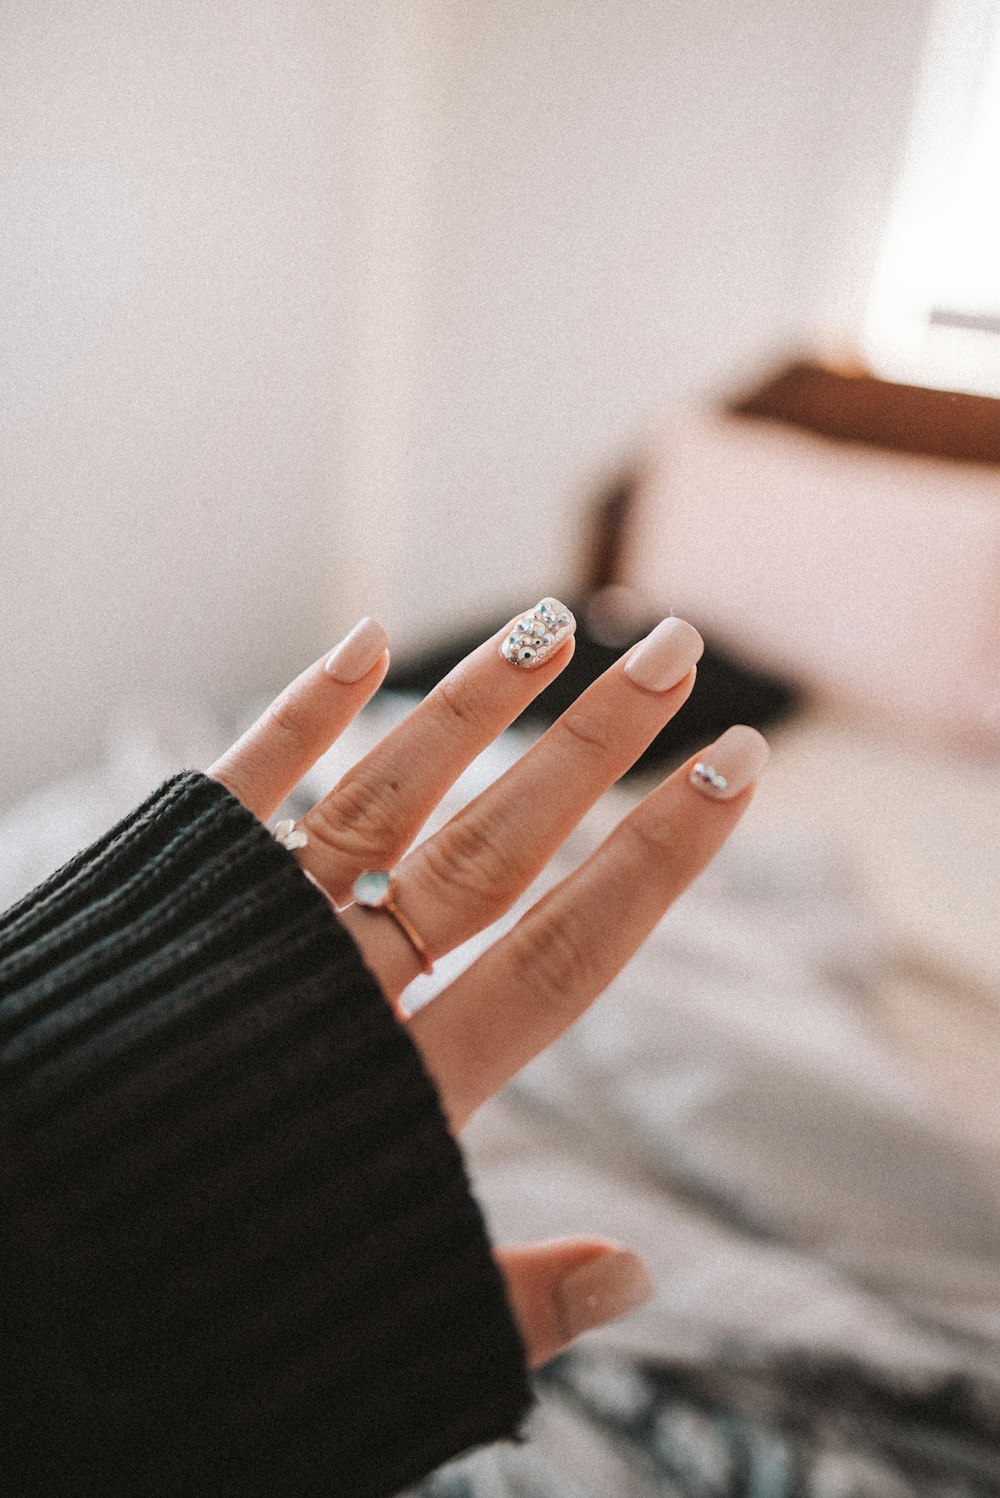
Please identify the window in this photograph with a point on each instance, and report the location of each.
(934, 317)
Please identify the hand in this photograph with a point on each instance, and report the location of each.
(537, 979)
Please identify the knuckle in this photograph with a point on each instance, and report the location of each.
(552, 955)
(459, 705)
(466, 857)
(588, 730)
(359, 822)
(283, 720)
(650, 838)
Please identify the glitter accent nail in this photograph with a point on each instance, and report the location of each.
(730, 764)
(538, 634)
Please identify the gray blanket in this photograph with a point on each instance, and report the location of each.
(825, 1241)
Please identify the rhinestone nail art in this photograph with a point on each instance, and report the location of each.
(732, 763)
(708, 775)
(538, 634)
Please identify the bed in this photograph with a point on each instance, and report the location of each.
(787, 1102)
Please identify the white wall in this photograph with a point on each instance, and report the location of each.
(166, 433)
(631, 202)
(309, 310)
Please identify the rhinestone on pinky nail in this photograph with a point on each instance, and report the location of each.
(709, 776)
(538, 634)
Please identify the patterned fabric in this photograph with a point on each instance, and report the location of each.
(658, 1432)
(825, 1240)
(827, 1249)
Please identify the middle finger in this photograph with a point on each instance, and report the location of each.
(464, 877)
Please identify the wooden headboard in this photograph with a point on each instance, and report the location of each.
(851, 405)
(856, 406)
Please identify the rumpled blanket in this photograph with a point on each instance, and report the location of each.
(825, 1240)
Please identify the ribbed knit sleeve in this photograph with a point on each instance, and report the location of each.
(240, 1250)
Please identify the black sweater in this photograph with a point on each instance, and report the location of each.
(240, 1251)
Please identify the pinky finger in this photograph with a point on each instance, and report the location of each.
(268, 762)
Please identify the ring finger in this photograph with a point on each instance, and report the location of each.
(534, 982)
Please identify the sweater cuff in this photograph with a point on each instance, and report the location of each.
(243, 1254)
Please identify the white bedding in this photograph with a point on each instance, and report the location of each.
(918, 825)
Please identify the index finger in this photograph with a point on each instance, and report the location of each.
(375, 811)
(270, 759)
(534, 982)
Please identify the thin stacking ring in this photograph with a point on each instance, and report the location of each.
(376, 890)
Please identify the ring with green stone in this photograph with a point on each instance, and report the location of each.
(376, 890)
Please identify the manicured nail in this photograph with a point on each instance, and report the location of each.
(538, 634)
(665, 656)
(730, 764)
(357, 652)
(602, 1290)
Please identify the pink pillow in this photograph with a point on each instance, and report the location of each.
(870, 577)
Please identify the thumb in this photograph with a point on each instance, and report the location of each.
(562, 1288)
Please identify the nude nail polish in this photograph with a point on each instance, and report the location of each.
(730, 764)
(665, 656)
(538, 634)
(602, 1290)
(358, 652)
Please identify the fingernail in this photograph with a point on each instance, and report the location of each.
(357, 652)
(730, 764)
(538, 634)
(665, 656)
(602, 1290)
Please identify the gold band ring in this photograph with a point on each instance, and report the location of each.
(376, 890)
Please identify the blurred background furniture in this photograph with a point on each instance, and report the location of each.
(896, 754)
(885, 728)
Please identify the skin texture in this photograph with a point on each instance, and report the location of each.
(538, 978)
